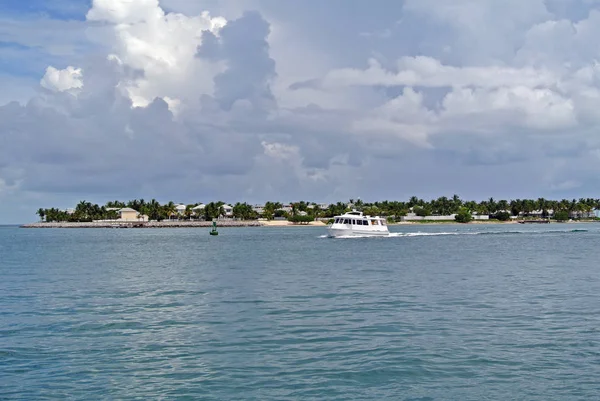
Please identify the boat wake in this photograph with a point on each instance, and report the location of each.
(460, 233)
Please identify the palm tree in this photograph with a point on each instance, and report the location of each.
(41, 212)
(170, 209)
(188, 211)
(503, 205)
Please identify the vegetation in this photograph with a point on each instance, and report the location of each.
(501, 210)
(501, 216)
(464, 215)
(301, 219)
(561, 215)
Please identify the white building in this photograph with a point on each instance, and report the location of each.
(228, 209)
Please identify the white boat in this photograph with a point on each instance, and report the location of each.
(355, 224)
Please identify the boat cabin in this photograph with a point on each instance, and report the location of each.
(357, 219)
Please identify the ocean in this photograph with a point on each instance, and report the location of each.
(473, 312)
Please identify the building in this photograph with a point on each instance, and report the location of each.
(228, 209)
(129, 214)
(199, 210)
(259, 209)
(413, 217)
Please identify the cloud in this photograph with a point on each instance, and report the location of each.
(244, 48)
(62, 80)
(264, 100)
(429, 72)
(161, 46)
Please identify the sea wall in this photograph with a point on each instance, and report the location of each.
(150, 224)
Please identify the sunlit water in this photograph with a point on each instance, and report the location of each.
(474, 312)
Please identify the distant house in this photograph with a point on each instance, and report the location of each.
(583, 214)
(199, 209)
(259, 209)
(180, 208)
(413, 217)
(228, 209)
(129, 214)
(286, 208)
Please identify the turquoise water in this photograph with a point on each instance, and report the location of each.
(434, 313)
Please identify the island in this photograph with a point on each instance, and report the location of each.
(153, 214)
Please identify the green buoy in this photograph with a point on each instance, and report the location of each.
(214, 229)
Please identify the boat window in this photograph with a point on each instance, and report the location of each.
(346, 221)
(383, 222)
(337, 221)
(353, 222)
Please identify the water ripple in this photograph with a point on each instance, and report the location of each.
(283, 314)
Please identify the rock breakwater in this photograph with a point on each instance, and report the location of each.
(147, 224)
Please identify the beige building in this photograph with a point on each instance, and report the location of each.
(129, 214)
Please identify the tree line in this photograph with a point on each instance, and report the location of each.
(86, 211)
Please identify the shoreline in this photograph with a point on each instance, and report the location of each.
(256, 223)
(145, 224)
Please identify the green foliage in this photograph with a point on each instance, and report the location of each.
(422, 211)
(561, 215)
(372, 211)
(463, 216)
(298, 219)
(270, 210)
(575, 208)
(244, 211)
(280, 213)
(502, 216)
(213, 210)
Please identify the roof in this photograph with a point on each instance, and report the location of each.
(127, 209)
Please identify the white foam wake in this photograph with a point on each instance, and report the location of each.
(436, 234)
(397, 235)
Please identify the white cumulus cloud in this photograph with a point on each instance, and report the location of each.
(161, 46)
(62, 80)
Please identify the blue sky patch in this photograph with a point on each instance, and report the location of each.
(56, 9)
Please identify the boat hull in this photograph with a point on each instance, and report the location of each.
(349, 232)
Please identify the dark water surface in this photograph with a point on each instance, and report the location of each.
(478, 313)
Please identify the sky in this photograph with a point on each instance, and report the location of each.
(256, 100)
